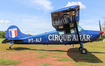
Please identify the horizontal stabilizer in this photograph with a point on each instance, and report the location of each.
(6, 41)
(14, 41)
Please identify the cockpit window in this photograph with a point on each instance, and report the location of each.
(80, 29)
(61, 32)
(71, 30)
(74, 30)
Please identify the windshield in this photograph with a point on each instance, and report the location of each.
(71, 30)
(80, 29)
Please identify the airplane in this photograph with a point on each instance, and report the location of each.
(65, 21)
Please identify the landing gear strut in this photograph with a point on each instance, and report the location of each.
(82, 49)
(10, 46)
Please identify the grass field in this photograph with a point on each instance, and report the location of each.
(52, 55)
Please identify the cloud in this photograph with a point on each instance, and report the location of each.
(4, 21)
(87, 21)
(91, 27)
(33, 24)
(89, 24)
(39, 27)
(1, 21)
(76, 3)
(36, 22)
(37, 4)
(46, 4)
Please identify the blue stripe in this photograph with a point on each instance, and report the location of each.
(10, 32)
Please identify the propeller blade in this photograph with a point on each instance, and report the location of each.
(101, 32)
(100, 25)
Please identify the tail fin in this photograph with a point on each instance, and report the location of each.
(13, 33)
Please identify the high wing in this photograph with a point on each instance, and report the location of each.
(64, 19)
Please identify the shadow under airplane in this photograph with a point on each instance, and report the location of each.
(72, 53)
(77, 57)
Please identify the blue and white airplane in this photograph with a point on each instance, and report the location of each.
(65, 21)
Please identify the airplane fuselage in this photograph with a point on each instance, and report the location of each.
(54, 38)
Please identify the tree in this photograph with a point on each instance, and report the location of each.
(2, 34)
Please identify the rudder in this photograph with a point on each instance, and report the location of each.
(13, 33)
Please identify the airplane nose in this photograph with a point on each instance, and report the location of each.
(101, 32)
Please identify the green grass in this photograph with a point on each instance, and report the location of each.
(55, 56)
(42, 57)
(25, 56)
(58, 52)
(94, 57)
(3, 55)
(86, 63)
(9, 61)
(1, 39)
(46, 64)
(63, 59)
(81, 63)
(63, 65)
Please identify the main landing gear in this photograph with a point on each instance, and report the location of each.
(82, 49)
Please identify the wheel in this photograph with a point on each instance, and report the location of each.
(83, 51)
(9, 47)
(80, 48)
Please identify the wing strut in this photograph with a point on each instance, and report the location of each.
(77, 32)
(81, 44)
(81, 48)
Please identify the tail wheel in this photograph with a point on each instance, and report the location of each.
(9, 47)
(84, 51)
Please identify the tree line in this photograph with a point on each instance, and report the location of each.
(2, 34)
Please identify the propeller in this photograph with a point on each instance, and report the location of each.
(101, 32)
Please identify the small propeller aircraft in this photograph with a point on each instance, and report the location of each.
(65, 21)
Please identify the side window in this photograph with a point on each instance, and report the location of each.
(61, 32)
(72, 30)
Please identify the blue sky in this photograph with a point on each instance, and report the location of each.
(34, 16)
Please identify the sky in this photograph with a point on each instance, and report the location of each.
(34, 16)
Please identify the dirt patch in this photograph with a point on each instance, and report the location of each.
(32, 57)
(43, 56)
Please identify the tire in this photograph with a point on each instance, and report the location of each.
(80, 48)
(9, 47)
(83, 51)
